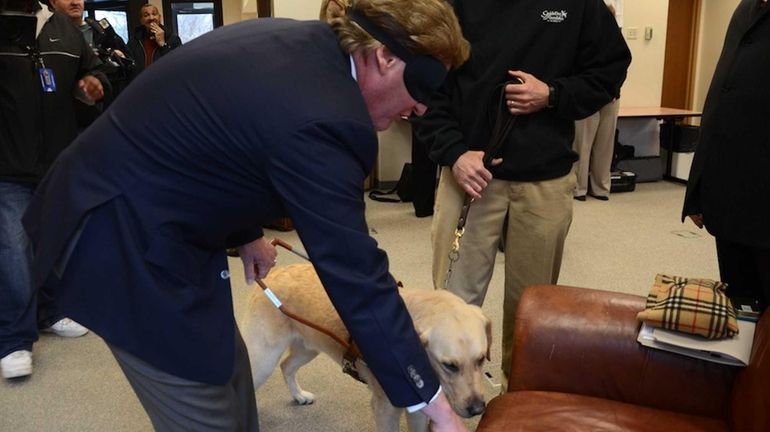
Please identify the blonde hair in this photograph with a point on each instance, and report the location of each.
(426, 27)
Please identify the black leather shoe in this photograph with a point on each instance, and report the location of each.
(580, 197)
(601, 198)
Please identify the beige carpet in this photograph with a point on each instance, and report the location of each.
(618, 245)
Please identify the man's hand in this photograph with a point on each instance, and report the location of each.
(442, 418)
(159, 33)
(470, 173)
(258, 258)
(697, 219)
(528, 97)
(90, 89)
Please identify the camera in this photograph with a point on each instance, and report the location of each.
(106, 43)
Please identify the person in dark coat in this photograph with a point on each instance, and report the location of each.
(728, 189)
(40, 80)
(273, 118)
(150, 40)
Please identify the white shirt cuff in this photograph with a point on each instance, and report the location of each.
(421, 405)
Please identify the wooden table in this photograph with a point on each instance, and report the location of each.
(669, 117)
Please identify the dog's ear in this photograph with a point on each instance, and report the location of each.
(488, 328)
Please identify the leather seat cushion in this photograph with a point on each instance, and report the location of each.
(525, 411)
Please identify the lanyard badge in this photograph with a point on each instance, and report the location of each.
(47, 79)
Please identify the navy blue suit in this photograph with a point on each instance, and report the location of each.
(252, 121)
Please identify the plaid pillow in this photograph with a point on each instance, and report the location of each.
(697, 306)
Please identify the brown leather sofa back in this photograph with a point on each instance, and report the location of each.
(611, 364)
(750, 410)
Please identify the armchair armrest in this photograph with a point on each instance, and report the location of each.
(583, 341)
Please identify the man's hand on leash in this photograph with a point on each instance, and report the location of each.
(470, 173)
(528, 97)
(258, 258)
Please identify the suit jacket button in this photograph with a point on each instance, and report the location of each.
(224, 274)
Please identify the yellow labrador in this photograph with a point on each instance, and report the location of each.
(456, 336)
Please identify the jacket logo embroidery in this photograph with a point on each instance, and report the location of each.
(50, 39)
(554, 16)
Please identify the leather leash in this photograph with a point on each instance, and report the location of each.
(500, 130)
(352, 353)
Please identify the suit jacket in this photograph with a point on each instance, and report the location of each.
(729, 180)
(253, 121)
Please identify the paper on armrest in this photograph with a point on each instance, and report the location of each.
(735, 351)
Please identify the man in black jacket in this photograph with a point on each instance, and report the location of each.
(728, 189)
(547, 63)
(41, 78)
(108, 46)
(150, 41)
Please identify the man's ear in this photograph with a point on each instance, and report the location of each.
(385, 59)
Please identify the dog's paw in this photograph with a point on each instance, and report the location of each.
(304, 398)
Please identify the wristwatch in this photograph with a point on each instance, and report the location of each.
(553, 96)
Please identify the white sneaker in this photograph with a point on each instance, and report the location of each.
(65, 327)
(17, 364)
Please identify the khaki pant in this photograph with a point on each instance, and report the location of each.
(539, 215)
(595, 142)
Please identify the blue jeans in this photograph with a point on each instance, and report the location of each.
(18, 299)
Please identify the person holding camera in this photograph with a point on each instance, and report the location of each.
(45, 64)
(150, 40)
(108, 46)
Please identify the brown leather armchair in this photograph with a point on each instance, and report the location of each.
(578, 367)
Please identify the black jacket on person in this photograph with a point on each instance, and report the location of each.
(574, 45)
(35, 126)
(136, 47)
(729, 181)
(164, 189)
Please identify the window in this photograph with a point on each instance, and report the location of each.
(192, 19)
(114, 11)
(118, 20)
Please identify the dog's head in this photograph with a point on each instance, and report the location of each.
(457, 337)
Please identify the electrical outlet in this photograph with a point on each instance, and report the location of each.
(632, 32)
(647, 33)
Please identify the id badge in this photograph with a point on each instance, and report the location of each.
(47, 80)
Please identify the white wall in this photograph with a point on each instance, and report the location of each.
(645, 75)
(297, 9)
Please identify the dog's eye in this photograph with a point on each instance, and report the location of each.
(451, 367)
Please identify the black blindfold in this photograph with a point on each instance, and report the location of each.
(423, 74)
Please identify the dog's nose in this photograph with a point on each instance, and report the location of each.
(475, 408)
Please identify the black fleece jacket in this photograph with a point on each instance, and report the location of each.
(573, 45)
(35, 126)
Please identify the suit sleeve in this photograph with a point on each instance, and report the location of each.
(319, 173)
(601, 65)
